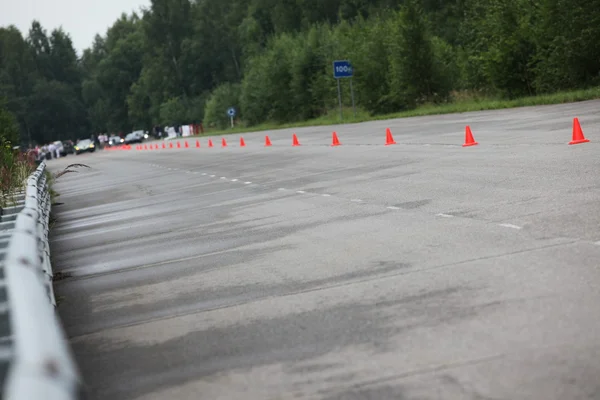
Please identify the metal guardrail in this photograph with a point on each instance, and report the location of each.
(35, 359)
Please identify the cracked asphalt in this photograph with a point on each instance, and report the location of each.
(422, 270)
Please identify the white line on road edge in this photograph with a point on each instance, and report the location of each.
(393, 208)
(511, 226)
(445, 215)
(300, 191)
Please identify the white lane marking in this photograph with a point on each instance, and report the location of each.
(204, 174)
(511, 226)
(326, 195)
(247, 183)
(282, 189)
(212, 176)
(234, 180)
(393, 208)
(300, 191)
(356, 200)
(444, 215)
(223, 177)
(597, 243)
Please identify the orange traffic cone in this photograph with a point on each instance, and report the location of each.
(335, 140)
(242, 143)
(295, 141)
(164, 146)
(156, 146)
(267, 141)
(577, 133)
(210, 143)
(389, 139)
(171, 145)
(178, 145)
(469, 141)
(223, 142)
(187, 145)
(197, 143)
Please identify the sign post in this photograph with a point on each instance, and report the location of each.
(343, 69)
(231, 113)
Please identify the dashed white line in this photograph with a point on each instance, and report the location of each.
(281, 189)
(247, 183)
(597, 243)
(204, 174)
(393, 208)
(444, 215)
(511, 226)
(234, 180)
(326, 195)
(224, 177)
(300, 191)
(212, 176)
(356, 200)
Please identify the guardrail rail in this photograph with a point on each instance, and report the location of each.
(35, 359)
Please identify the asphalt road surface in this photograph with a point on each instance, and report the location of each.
(422, 270)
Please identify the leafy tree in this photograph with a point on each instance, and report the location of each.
(9, 128)
(225, 96)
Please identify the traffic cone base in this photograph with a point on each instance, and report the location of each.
(577, 133)
(469, 141)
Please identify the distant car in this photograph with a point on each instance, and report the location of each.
(85, 146)
(115, 141)
(134, 137)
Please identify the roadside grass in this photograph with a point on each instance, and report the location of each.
(465, 102)
(15, 168)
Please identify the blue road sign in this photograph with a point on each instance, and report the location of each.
(231, 112)
(342, 69)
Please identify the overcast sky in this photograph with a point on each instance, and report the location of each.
(82, 19)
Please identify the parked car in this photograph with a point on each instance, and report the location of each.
(115, 141)
(85, 146)
(134, 137)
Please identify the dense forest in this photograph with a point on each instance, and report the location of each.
(182, 61)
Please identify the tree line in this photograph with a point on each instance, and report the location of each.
(182, 61)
